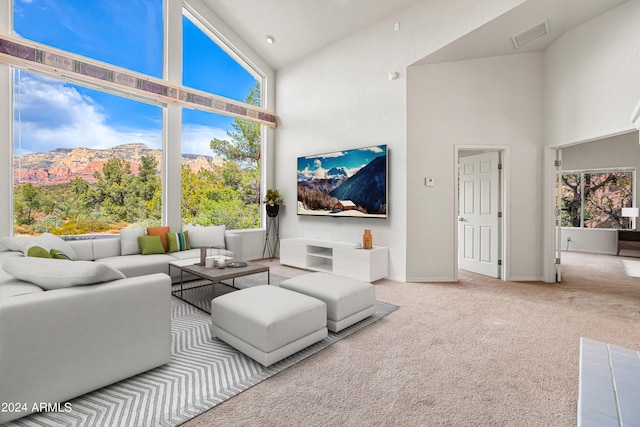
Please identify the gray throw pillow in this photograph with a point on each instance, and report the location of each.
(129, 244)
(206, 237)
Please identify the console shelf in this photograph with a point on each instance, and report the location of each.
(338, 258)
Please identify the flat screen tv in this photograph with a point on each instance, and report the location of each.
(347, 183)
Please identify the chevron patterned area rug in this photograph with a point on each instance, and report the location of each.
(203, 373)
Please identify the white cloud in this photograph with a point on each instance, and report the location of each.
(196, 138)
(55, 115)
(375, 149)
(319, 172)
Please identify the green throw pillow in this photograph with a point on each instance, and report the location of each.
(38, 252)
(178, 241)
(58, 254)
(151, 245)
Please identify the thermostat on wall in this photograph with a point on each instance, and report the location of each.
(429, 181)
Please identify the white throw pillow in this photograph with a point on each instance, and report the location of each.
(49, 241)
(15, 244)
(52, 274)
(206, 237)
(129, 244)
(46, 240)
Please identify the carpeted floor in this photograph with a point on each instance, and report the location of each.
(481, 352)
(203, 372)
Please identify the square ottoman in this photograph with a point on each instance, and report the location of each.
(348, 300)
(268, 323)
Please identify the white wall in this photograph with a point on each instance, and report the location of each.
(613, 152)
(340, 97)
(597, 241)
(484, 102)
(591, 78)
(591, 88)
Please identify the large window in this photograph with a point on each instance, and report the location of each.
(85, 161)
(594, 199)
(88, 155)
(126, 33)
(223, 187)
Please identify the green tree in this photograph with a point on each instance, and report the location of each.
(193, 192)
(27, 203)
(148, 188)
(232, 194)
(115, 192)
(244, 143)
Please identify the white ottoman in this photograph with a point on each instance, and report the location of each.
(268, 323)
(348, 300)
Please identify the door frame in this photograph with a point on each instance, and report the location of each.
(503, 225)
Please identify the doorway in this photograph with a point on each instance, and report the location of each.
(480, 209)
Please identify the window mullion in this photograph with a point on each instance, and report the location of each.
(64, 65)
(582, 200)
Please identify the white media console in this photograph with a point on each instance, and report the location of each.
(338, 258)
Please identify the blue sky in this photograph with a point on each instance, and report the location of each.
(352, 161)
(126, 33)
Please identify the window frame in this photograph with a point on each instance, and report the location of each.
(582, 172)
(171, 14)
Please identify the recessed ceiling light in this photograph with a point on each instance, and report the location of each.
(271, 39)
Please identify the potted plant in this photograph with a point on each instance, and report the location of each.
(272, 201)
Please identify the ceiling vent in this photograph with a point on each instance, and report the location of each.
(530, 35)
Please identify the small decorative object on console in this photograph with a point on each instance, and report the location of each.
(367, 239)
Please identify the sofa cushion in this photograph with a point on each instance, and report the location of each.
(139, 265)
(104, 248)
(206, 237)
(129, 244)
(13, 287)
(4, 255)
(162, 233)
(52, 274)
(178, 241)
(84, 249)
(195, 253)
(151, 245)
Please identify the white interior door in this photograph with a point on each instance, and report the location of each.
(479, 205)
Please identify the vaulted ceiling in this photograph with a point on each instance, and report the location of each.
(301, 27)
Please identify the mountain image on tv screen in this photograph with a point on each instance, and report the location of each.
(344, 183)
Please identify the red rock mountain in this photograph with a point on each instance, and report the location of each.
(62, 165)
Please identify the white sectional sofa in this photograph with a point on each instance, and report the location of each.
(109, 252)
(59, 342)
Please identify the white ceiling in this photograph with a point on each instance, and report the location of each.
(301, 27)
(494, 38)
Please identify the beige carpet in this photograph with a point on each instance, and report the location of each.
(480, 352)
